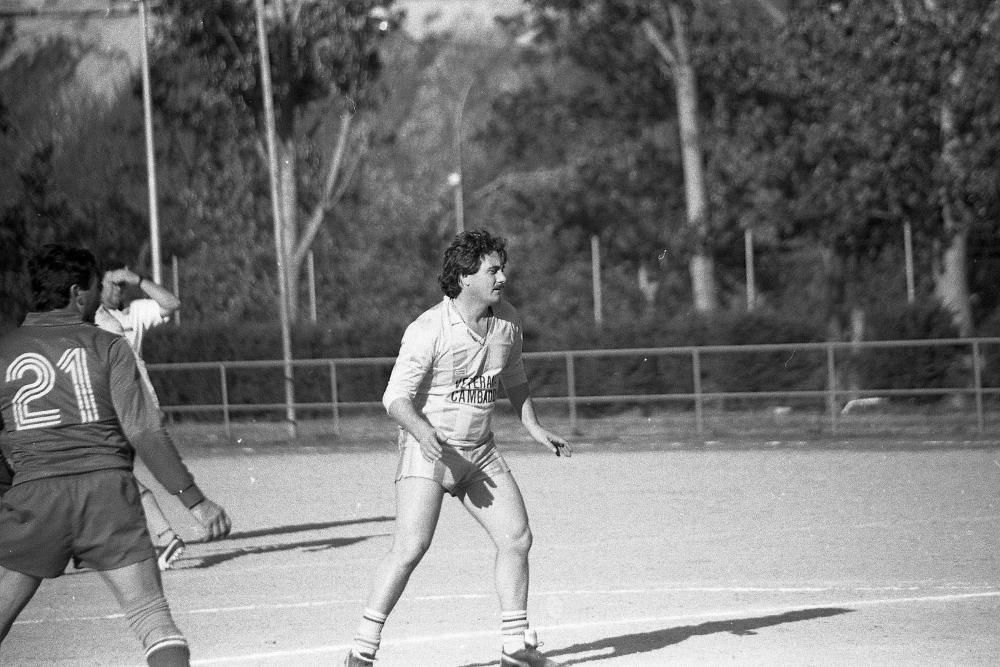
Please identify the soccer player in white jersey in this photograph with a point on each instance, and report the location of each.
(442, 392)
(132, 320)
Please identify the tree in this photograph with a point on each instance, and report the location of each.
(677, 63)
(864, 101)
(325, 64)
(69, 170)
(6, 39)
(968, 38)
(638, 48)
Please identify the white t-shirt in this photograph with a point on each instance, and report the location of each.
(133, 322)
(451, 374)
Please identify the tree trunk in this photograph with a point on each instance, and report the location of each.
(702, 265)
(648, 287)
(289, 221)
(676, 56)
(951, 282)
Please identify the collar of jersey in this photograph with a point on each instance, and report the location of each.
(52, 318)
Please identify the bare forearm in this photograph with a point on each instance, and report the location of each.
(404, 414)
(520, 400)
(166, 299)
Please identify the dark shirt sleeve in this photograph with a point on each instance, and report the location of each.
(138, 414)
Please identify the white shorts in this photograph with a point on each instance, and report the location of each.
(457, 469)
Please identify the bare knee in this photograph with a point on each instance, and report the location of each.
(408, 552)
(517, 541)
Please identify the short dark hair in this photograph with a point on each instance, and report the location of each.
(54, 269)
(464, 256)
(111, 265)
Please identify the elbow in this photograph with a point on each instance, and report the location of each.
(396, 405)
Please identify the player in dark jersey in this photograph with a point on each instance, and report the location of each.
(74, 414)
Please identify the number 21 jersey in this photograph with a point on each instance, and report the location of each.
(70, 394)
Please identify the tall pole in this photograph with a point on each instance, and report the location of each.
(595, 277)
(279, 245)
(911, 292)
(458, 177)
(147, 106)
(748, 261)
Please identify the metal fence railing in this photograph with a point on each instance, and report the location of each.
(829, 395)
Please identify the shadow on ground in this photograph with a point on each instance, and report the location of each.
(302, 527)
(211, 559)
(646, 642)
(208, 560)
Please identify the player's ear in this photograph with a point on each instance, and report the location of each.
(75, 295)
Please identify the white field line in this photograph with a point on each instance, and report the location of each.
(652, 590)
(739, 612)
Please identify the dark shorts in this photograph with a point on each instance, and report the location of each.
(6, 476)
(93, 518)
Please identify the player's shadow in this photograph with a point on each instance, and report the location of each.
(215, 558)
(301, 527)
(645, 642)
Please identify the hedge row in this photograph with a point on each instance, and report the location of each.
(927, 367)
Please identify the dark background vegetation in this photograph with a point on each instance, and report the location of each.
(821, 133)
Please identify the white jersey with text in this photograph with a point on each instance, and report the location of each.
(451, 374)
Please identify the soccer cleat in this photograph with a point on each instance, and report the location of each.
(529, 656)
(352, 660)
(170, 553)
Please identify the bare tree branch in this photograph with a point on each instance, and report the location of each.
(333, 170)
(660, 44)
(775, 12)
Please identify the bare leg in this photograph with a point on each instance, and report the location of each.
(418, 506)
(16, 590)
(499, 508)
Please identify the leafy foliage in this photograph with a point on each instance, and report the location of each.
(823, 136)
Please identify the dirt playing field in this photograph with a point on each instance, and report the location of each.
(653, 554)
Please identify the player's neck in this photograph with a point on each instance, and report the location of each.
(472, 312)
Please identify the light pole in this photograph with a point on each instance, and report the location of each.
(455, 178)
(279, 246)
(455, 181)
(147, 107)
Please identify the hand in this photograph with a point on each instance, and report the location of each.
(556, 444)
(430, 446)
(213, 519)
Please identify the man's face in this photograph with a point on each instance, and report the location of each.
(112, 291)
(486, 285)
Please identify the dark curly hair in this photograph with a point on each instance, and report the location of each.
(464, 256)
(55, 269)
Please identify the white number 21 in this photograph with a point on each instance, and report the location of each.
(74, 363)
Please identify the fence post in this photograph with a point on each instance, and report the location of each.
(334, 399)
(831, 388)
(225, 399)
(977, 379)
(699, 417)
(571, 390)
